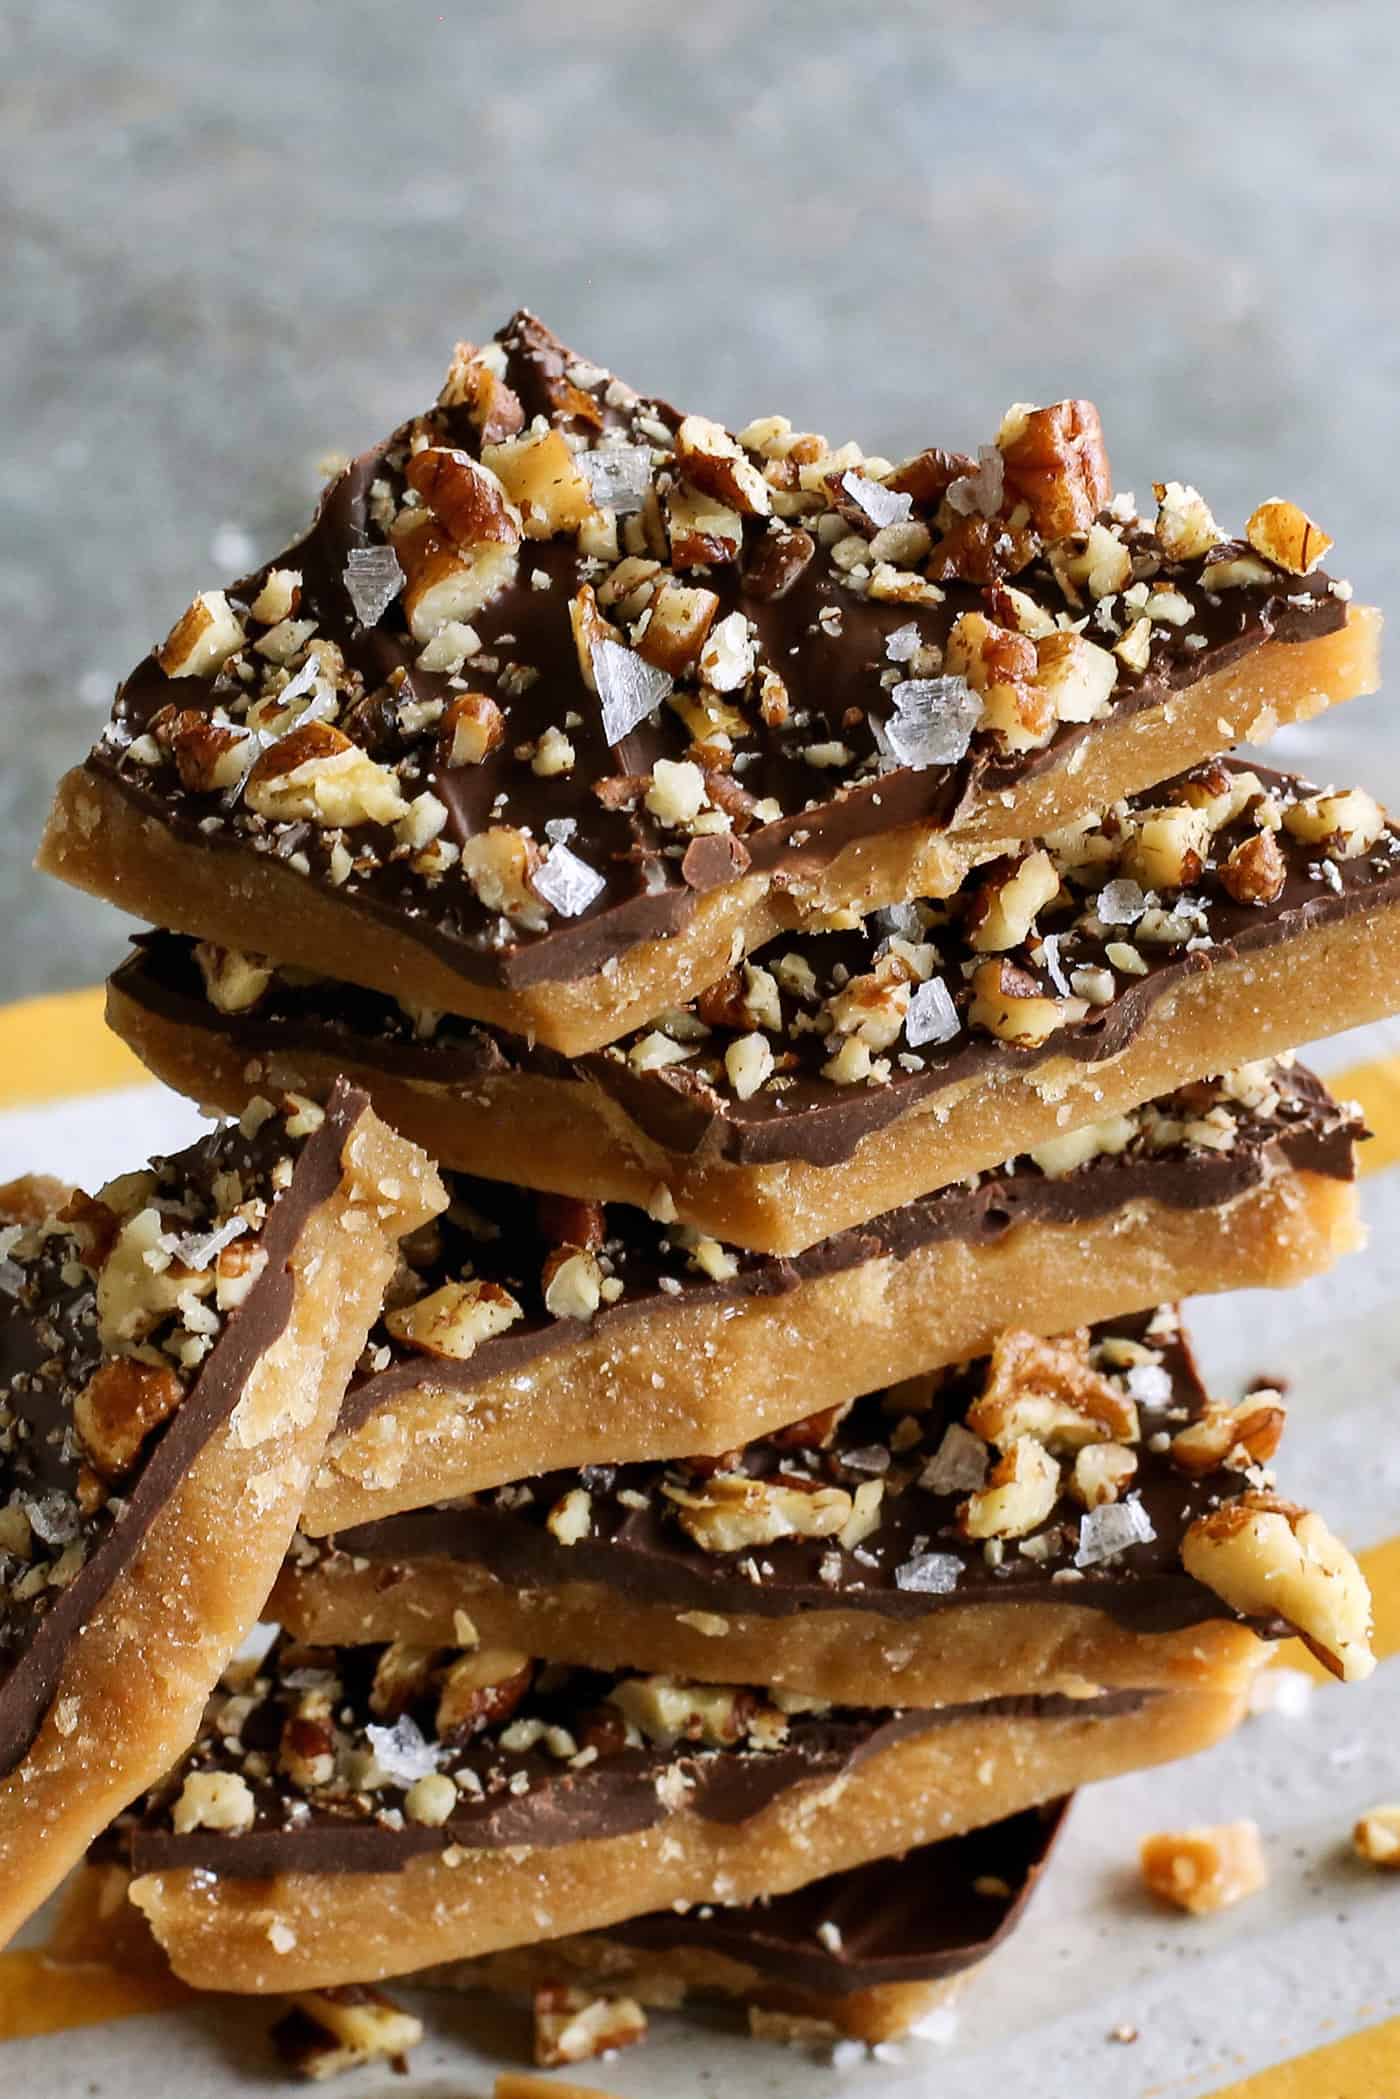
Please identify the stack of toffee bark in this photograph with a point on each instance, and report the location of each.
(801, 902)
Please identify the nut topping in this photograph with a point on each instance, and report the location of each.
(329, 2031)
(121, 1404)
(1268, 1558)
(1204, 1870)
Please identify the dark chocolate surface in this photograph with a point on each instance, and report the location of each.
(637, 1547)
(505, 1234)
(931, 1913)
(828, 639)
(49, 1348)
(518, 1783)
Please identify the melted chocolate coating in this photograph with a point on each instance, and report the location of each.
(829, 644)
(516, 1795)
(637, 1548)
(931, 1913)
(49, 1350)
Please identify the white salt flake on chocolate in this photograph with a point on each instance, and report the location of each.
(1149, 1382)
(629, 689)
(980, 492)
(197, 1249)
(902, 643)
(1050, 956)
(930, 1574)
(900, 920)
(870, 1458)
(567, 882)
(959, 1465)
(1120, 903)
(883, 506)
(401, 1751)
(303, 681)
(932, 723)
(560, 829)
(931, 1015)
(1105, 1532)
(373, 579)
(618, 476)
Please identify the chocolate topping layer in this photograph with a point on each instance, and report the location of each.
(551, 1761)
(931, 1913)
(789, 712)
(641, 1544)
(801, 1111)
(505, 1236)
(83, 1535)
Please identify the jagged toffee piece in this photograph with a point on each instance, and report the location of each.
(351, 1813)
(870, 1552)
(866, 1953)
(513, 1303)
(173, 1351)
(843, 1073)
(559, 674)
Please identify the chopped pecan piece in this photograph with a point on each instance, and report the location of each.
(328, 2031)
(1203, 1870)
(1268, 1558)
(480, 1689)
(119, 1407)
(1056, 463)
(572, 2026)
(1233, 1437)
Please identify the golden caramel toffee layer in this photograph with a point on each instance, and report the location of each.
(559, 674)
(840, 1067)
(513, 1303)
(172, 1354)
(1081, 1474)
(922, 1918)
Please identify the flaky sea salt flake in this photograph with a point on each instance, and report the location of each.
(932, 722)
(567, 882)
(401, 1751)
(959, 1465)
(930, 1574)
(979, 493)
(373, 579)
(931, 1015)
(902, 643)
(1107, 1531)
(883, 506)
(618, 476)
(629, 689)
(1120, 903)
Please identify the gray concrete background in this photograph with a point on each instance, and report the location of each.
(242, 235)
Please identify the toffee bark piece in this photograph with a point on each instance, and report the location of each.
(565, 700)
(867, 1953)
(173, 1352)
(684, 1345)
(834, 1559)
(364, 1812)
(840, 1075)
